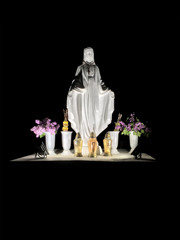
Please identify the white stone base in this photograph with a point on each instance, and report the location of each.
(85, 151)
(121, 157)
(66, 153)
(114, 151)
(132, 149)
(51, 152)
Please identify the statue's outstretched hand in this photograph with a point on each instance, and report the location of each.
(112, 94)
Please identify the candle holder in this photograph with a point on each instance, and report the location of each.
(107, 141)
(92, 145)
(78, 142)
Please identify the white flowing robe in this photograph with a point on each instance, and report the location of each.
(90, 108)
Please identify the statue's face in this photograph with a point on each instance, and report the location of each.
(89, 53)
(89, 56)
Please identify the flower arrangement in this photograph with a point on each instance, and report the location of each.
(45, 126)
(138, 128)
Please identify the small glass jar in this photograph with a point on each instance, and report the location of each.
(107, 141)
(92, 145)
(78, 142)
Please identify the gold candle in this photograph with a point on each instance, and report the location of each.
(78, 145)
(92, 145)
(107, 141)
(65, 126)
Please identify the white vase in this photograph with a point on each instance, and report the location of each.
(50, 142)
(66, 142)
(133, 141)
(115, 141)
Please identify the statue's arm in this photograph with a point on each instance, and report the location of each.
(79, 68)
(103, 85)
(77, 82)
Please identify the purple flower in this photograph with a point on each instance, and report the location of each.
(38, 121)
(128, 127)
(147, 130)
(132, 119)
(119, 126)
(122, 123)
(138, 126)
(45, 126)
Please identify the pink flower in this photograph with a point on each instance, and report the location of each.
(38, 121)
(33, 129)
(45, 126)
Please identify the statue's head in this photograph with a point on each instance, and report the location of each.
(88, 55)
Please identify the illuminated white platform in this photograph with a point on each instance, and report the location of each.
(123, 156)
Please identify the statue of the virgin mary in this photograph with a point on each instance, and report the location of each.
(90, 103)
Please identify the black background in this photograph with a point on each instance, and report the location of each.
(135, 59)
(138, 60)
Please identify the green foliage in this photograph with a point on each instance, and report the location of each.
(138, 134)
(42, 135)
(125, 132)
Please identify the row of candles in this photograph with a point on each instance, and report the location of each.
(92, 145)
